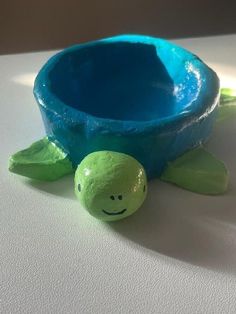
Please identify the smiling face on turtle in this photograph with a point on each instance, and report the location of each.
(110, 185)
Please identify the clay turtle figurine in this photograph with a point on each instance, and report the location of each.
(121, 111)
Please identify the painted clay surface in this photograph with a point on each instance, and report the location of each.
(121, 110)
(110, 185)
(43, 160)
(139, 95)
(227, 107)
(198, 171)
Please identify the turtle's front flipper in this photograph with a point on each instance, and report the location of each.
(227, 106)
(43, 160)
(198, 171)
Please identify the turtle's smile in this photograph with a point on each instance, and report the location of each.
(114, 213)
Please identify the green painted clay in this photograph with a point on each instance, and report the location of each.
(198, 171)
(227, 107)
(227, 95)
(110, 185)
(43, 160)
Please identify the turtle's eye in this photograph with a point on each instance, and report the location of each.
(144, 188)
(112, 197)
(120, 197)
(79, 187)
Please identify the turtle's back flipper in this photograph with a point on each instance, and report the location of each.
(43, 160)
(198, 171)
(227, 106)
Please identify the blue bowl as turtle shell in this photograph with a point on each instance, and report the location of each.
(135, 94)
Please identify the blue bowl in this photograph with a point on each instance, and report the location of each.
(135, 94)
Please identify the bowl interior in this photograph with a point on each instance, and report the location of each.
(123, 81)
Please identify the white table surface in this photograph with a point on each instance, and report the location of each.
(177, 254)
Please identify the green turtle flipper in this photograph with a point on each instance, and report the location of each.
(43, 160)
(227, 106)
(198, 171)
(227, 95)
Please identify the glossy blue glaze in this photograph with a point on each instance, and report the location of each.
(135, 94)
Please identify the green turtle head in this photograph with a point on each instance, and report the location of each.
(110, 185)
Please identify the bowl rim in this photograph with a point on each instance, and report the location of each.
(206, 101)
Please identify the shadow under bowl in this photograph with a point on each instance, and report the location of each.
(135, 94)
